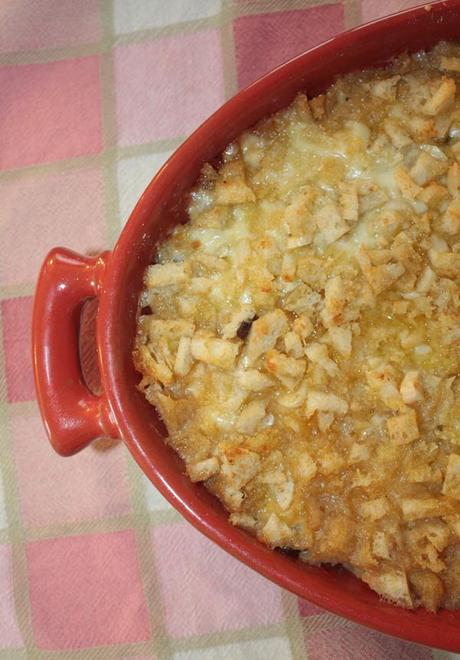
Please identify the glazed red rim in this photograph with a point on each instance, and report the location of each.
(73, 416)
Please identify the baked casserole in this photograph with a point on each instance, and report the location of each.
(300, 334)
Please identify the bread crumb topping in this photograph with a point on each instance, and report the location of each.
(303, 341)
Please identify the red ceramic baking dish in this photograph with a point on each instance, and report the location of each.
(74, 417)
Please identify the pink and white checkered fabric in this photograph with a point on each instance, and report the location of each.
(95, 95)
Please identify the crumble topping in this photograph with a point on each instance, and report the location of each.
(302, 340)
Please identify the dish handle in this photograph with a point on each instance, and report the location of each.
(73, 416)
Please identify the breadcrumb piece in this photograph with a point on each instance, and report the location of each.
(415, 509)
(450, 221)
(239, 465)
(251, 417)
(427, 168)
(411, 387)
(203, 469)
(349, 201)
(306, 467)
(213, 350)
(275, 532)
(318, 354)
(406, 184)
(160, 275)
(442, 98)
(391, 586)
(341, 338)
(374, 509)
(254, 380)
(325, 402)
(264, 333)
(451, 485)
(403, 429)
(184, 359)
(287, 369)
(330, 223)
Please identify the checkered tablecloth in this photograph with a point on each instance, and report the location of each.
(94, 96)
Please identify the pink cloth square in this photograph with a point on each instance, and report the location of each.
(50, 111)
(308, 609)
(48, 24)
(10, 636)
(17, 325)
(92, 484)
(86, 591)
(358, 643)
(265, 40)
(371, 9)
(231, 596)
(45, 210)
(167, 87)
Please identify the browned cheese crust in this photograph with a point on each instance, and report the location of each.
(303, 341)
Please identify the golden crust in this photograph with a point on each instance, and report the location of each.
(303, 343)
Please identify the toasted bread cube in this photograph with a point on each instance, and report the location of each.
(381, 545)
(318, 106)
(398, 136)
(254, 380)
(334, 301)
(358, 453)
(428, 587)
(325, 420)
(231, 186)
(433, 194)
(243, 520)
(239, 466)
(383, 277)
(303, 326)
(417, 508)
(264, 334)
(453, 179)
(284, 493)
(349, 201)
(403, 429)
(251, 417)
(161, 275)
(297, 214)
(374, 509)
(426, 280)
(293, 344)
(306, 467)
(213, 350)
(325, 402)
(154, 369)
(446, 264)
(390, 585)
(318, 354)
(451, 485)
(203, 469)
(287, 369)
(288, 267)
(341, 338)
(330, 223)
(275, 532)
(411, 387)
(450, 220)
(427, 168)
(184, 358)
(442, 99)
(406, 184)
(230, 329)
(294, 398)
(385, 88)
